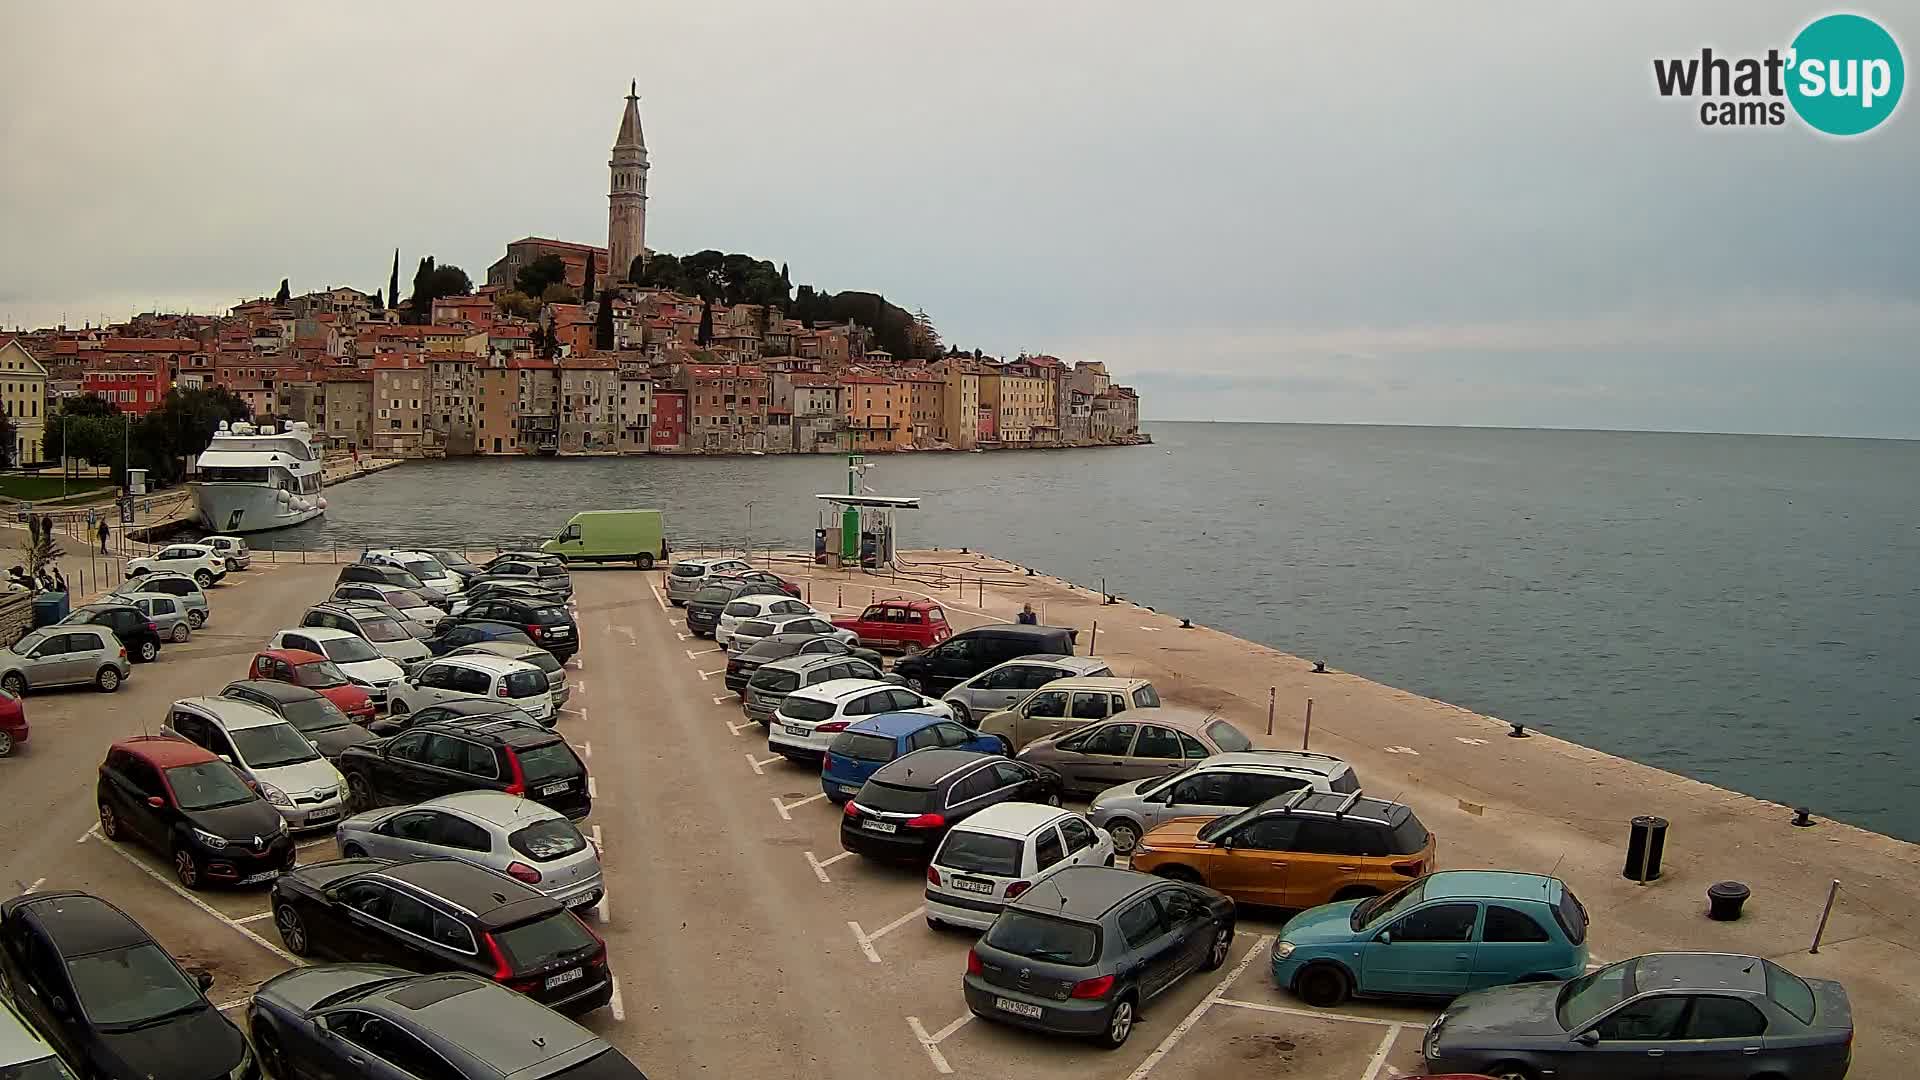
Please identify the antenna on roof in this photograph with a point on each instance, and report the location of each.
(1556, 864)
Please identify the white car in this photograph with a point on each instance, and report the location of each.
(291, 773)
(411, 605)
(197, 561)
(771, 606)
(431, 572)
(233, 548)
(349, 652)
(750, 632)
(808, 719)
(689, 575)
(991, 857)
(464, 678)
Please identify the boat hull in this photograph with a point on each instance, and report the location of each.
(250, 508)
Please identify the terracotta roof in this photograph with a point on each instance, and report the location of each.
(726, 371)
(395, 363)
(563, 244)
(149, 345)
(869, 380)
(589, 363)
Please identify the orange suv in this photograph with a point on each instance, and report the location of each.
(1294, 851)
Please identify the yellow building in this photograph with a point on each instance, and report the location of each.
(879, 413)
(1020, 403)
(23, 394)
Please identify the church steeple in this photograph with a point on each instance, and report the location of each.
(627, 193)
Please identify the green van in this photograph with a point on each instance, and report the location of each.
(611, 536)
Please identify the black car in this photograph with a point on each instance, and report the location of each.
(906, 807)
(449, 635)
(193, 810)
(703, 611)
(138, 633)
(377, 574)
(109, 998)
(470, 710)
(311, 714)
(547, 624)
(352, 1020)
(970, 652)
(741, 666)
(434, 915)
(519, 757)
(1082, 951)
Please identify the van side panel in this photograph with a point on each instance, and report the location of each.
(613, 536)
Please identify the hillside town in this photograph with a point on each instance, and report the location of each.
(601, 360)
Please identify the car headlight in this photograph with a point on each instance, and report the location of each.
(1282, 949)
(284, 827)
(340, 789)
(274, 795)
(245, 1068)
(212, 842)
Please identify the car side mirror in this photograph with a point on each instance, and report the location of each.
(1385, 938)
(1589, 1037)
(1227, 842)
(59, 1004)
(203, 978)
(156, 802)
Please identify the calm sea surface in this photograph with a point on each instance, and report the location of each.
(1741, 609)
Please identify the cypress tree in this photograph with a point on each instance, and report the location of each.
(284, 295)
(393, 282)
(603, 322)
(586, 291)
(706, 323)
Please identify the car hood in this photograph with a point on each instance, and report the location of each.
(371, 820)
(410, 649)
(348, 699)
(379, 672)
(333, 740)
(303, 988)
(297, 780)
(200, 1045)
(1521, 1010)
(1328, 924)
(240, 822)
(1180, 834)
(1118, 793)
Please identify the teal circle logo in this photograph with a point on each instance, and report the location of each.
(1845, 74)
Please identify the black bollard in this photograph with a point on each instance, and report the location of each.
(1646, 842)
(1724, 900)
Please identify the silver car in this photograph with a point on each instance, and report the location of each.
(504, 833)
(688, 575)
(1220, 785)
(532, 654)
(180, 587)
(1001, 685)
(752, 632)
(166, 612)
(388, 636)
(64, 656)
(772, 682)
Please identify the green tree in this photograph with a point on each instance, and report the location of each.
(559, 293)
(393, 281)
(284, 294)
(431, 283)
(603, 324)
(9, 433)
(586, 287)
(534, 277)
(705, 337)
(515, 302)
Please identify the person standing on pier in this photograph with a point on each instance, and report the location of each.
(103, 536)
(1026, 616)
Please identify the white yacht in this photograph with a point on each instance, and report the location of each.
(251, 479)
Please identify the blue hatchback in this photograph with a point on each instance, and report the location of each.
(859, 751)
(1445, 934)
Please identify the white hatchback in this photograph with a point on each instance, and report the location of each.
(199, 562)
(809, 718)
(475, 675)
(990, 858)
(771, 606)
(356, 659)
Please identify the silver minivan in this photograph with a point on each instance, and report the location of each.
(1001, 685)
(772, 682)
(1220, 785)
(64, 655)
(688, 575)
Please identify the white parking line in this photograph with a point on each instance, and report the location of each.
(723, 700)
(305, 844)
(1315, 1014)
(585, 748)
(691, 655)
(88, 835)
(593, 834)
(206, 907)
(35, 887)
(705, 675)
(1380, 1054)
(579, 686)
(255, 917)
(759, 765)
(602, 912)
(234, 1004)
(931, 1043)
(820, 867)
(783, 807)
(739, 727)
(683, 637)
(662, 600)
(619, 1007)
(866, 940)
(593, 789)
(1167, 1044)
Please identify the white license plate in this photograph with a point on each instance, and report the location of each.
(880, 826)
(322, 818)
(559, 631)
(1018, 1008)
(799, 731)
(570, 975)
(255, 879)
(849, 789)
(554, 789)
(964, 885)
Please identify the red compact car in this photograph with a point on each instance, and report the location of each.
(316, 673)
(905, 625)
(13, 723)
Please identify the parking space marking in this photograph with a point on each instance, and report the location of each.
(593, 789)
(661, 599)
(866, 940)
(206, 907)
(313, 842)
(759, 765)
(723, 700)
(820, 866)
(1380, 1055)
(1315, 1014)
(234, 1004)
(256, 916)
(783, 807)
(89, 834)
(736, 729)
(683, 637)
(593, 834)
(35, 887)
(602, 912)
(585, 748)
(692, 655)
(931, 1043)
(705, 675)
(1260, 947)
(619, 1007)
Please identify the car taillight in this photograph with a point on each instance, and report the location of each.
(523, 872)
(852, 809)
(153, 628)
(933, 876)
(534, 631)
(503, 690)
(735, 664)
(834, 725)
(1093, 988)
(1408, 869)
(1017, 888)
(502, 971)
(973, 962)
(123, 652)
(519, 785)
(927, 821)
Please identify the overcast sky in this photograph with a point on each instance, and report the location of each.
(1395, 213)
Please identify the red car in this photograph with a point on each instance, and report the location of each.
(905, 625)
(13, 723)
(316, 673)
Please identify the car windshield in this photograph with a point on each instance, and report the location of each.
(46, 1068)
(1378, 909)
(608, 1064)
(406, 598)
(801, 708)
(1228, 738)
(542, 941)
(271, 745)
(775, 681)
(207, 785)
(1040, 937)
(979, 853)
(772, 650)
(879, 795)
(522, 684)
(348, 650)
(320, 675)
(1789, 991)
(548, 762)
(544, 661)
(1595, 992)
(424, 568)
(383, 629)
(314, 715)
(123, 987)
(754, 628)
(550, 616)
(545, 841)
(861, 746)
(1221, 825)
(713, 594)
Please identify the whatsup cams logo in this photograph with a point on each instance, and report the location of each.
(1842, 75)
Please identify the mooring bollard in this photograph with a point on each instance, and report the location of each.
(1646, 843)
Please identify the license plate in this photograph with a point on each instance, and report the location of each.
(969, 885)
(255, 879)
(565, 977)
(554, 789)
(1018, 1008)
(559, 631)
(880, 826)
(849, 789)
(800, 731)
(323, 817)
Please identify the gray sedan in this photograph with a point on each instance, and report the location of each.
(1133, 746)
(504, 833)
(1000, 686)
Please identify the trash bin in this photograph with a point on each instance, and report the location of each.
(1645, 843)
(1724, 900)
(49, 608)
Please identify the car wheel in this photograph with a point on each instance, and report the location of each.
(1177, 872)
(1511, 1070)
(272, 1061)
(149, 649)
(1323, 985)
(397, 708)
(108, 680)
(1006, 746)
(643, 561)
(186, 867)
(1217, 952)
(359, 792)
(203, 579)
(293, 932)
(181, 632)
(678, 603)
(1119, 1025)
(15, 684)
(197, 617)
(352, 851)
(961, 714)
(109, 823)
(916, 684)
(1053, 798)
(6, 743)
(936, 925)
(1125, 836)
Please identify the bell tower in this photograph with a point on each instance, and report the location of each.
(627, 192)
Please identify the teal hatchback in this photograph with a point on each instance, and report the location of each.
(1441, 936)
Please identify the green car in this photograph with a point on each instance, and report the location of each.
(1447, 933)
(636, 536)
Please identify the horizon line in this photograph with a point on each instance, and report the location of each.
(1539, 427)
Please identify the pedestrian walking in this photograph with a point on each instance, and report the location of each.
(103, 536)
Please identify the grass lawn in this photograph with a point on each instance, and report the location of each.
(40, 488)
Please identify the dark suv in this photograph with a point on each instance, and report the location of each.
(547, 624)
(906, 808)
(971, 652)
(703, 611)
(392, 575)
(138, 633)
(444, 915)
(519, 757)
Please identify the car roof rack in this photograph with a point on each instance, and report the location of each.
(1299, 796)
(1346, 804)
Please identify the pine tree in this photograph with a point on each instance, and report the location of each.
(379, 304)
